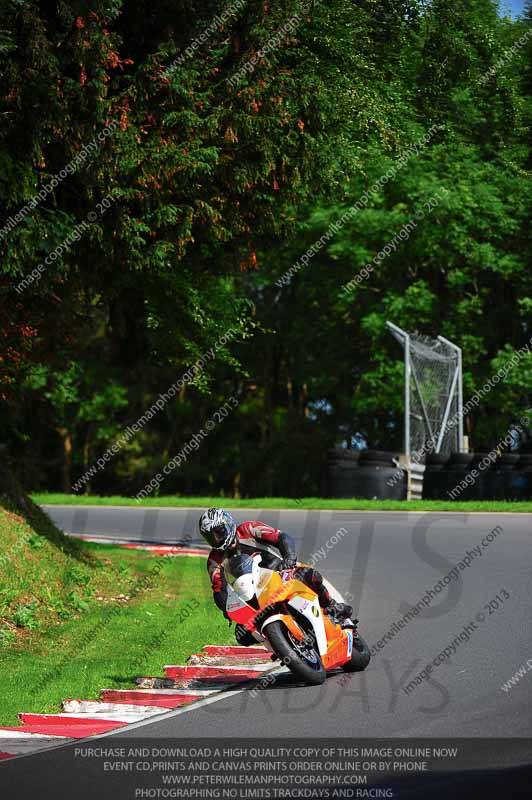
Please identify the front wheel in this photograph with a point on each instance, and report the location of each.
(360, 656)
(302, 659)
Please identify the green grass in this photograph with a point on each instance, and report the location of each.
(47, 578)
(65, 630)
(313, 503)
(113, 642)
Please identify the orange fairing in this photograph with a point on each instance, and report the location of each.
(275, 590)
(337, 644)
(272, 589)
(292, 626)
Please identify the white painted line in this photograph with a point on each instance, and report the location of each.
(114, 716)
(92, 707)
(199, 660)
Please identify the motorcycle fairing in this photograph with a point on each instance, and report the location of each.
(311, 610)
(333, 642)
(237, 609)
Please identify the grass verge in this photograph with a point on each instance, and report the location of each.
(312, 503)
(108, 646)
(76, 617)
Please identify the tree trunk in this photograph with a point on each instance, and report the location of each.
(66, 469)
(86, 456)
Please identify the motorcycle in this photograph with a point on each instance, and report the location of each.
(284, 613)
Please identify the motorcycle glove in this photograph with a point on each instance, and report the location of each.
(288, 563)
(288, 550)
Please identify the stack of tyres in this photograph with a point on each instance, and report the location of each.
(435, 477)
(459, 483)
(342, 466)
(379, 478)
(373, 474)
(485, 466)
(499, 481)
(521, 481)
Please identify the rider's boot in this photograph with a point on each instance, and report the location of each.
(339, 610)
(333, 607)
(314, 579)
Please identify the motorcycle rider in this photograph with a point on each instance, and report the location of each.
(277, 550)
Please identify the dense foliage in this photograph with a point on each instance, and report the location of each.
(214, 168)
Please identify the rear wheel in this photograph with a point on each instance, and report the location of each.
(360, 657)
(301, 658)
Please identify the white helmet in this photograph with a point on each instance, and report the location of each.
(218, 528)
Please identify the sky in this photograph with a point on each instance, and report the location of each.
(515, 6)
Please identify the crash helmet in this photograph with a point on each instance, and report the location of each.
(218, 528)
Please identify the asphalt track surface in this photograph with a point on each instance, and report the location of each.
(385, 563)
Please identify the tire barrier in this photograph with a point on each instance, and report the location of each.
(435, 477)
(501, 480)
(521, 479)
(478, 476)
(379, 457)
(459, 483)
(369, 475)
(373, 475)
(342, 465)
(484, 467)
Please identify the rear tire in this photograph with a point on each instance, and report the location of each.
(279, 638)
(360, 657)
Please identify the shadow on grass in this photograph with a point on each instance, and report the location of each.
(15, 500)
(124, 680)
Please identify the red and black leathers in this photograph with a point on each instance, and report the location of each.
(275, 547)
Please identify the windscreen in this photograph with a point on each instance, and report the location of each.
(236, 566)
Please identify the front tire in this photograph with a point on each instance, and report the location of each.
(360, 657)
(304, 662)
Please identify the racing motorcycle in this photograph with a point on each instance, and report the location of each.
(284, 613)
